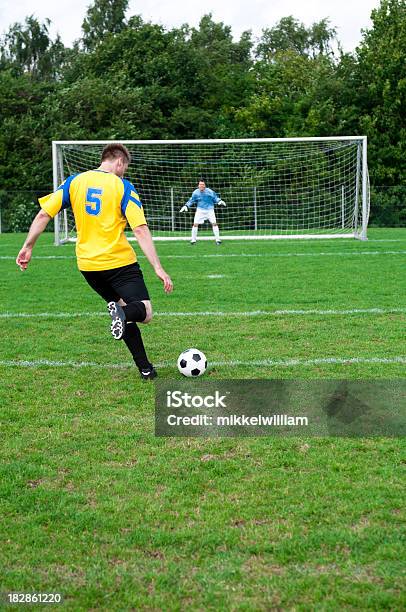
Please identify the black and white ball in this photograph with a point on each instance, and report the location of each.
(192, 362)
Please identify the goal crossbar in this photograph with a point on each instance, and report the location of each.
(211, 140)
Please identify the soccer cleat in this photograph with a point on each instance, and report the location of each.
(193, 242)
(117, 327)
(149, 374)
(218, 242)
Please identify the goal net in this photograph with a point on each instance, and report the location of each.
(273, 187)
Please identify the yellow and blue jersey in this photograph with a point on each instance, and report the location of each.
(102, 203)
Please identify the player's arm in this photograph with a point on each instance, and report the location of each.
(37, 227)
(188, 204)
(134, 212)
(50, 206)
(144, 238)
(217, 200)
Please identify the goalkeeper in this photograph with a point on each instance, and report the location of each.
(205, 199)
(103, 202)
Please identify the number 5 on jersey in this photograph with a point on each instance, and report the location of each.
(93, 201)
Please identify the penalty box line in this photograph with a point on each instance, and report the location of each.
(214, 313)
(287, 363)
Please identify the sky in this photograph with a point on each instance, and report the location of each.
(347, 16)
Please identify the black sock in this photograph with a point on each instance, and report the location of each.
(133, 340)
(135, 311)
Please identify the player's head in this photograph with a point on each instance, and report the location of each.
(117, 157)
(201, 184)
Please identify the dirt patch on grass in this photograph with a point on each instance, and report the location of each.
(260, 566)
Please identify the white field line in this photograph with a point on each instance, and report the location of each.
(255, 363)
(309, 243)
(221, 255)
(321, 254)
(170, 244)
(41, 257)
(276, 313)
(211, 313)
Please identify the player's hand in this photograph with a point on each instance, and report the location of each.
(165, 278)
(23, 258)
(221, 203)
(184, 209)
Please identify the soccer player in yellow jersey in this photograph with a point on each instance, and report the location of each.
(103, 202)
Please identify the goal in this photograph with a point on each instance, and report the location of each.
(273, 187)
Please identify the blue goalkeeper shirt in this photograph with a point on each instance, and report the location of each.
(203, 199)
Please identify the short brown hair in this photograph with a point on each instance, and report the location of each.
(114, 150)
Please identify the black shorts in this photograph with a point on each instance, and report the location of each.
(126, 282)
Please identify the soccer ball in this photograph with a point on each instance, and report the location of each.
(192, 362)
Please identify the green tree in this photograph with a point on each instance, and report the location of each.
(103, 17)
(291, 35)
(293, 75)
(219, 78)
(28, 48)
(188, 77)
(379, 86)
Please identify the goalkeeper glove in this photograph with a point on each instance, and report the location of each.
(221, 203)
(184, 208)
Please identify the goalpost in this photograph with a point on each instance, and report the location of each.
(273, 187)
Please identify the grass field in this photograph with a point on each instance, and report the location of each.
(97, 508)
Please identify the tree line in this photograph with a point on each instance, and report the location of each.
(125, 78)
